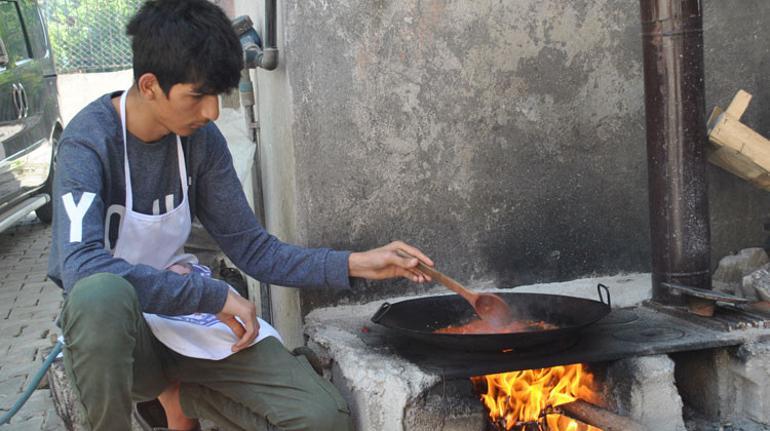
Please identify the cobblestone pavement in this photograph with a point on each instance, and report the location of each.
(29, 306)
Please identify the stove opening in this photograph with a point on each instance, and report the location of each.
(534, 400)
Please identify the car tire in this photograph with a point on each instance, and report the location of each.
(45, 213)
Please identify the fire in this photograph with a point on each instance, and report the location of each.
(529, 396)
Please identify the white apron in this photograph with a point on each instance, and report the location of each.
(158, 241)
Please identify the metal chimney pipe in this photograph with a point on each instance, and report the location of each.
(672, 34)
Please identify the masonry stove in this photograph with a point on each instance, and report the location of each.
(682, 318)
(649, 329)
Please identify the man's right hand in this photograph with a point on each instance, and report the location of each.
(236, 305)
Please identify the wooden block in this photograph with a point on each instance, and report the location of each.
(713, 119)
(739, 104)
(736, 147)
(731, 133)
(739, 165)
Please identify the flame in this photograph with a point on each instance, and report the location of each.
(524, 396)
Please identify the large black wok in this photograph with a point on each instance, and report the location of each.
(419, 318)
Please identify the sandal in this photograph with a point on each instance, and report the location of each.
(149, 415)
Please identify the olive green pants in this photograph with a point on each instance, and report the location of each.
(112, 360)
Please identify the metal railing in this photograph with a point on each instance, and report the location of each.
(89, 35)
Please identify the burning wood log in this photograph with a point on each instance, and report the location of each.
(599, 417)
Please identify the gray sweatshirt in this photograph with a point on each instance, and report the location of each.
(90, 177)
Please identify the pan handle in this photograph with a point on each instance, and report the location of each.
(384, 308)
(599, 288)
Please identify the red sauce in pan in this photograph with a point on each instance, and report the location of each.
(479, 326)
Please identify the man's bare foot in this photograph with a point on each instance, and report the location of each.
(175, 417)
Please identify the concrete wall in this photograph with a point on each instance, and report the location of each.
(506, 139)
(737, 56)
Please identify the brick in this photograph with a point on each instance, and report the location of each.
(38, 246)
(22, 349)
(36, 323)
(36, 405)
(13, 371)
(18, 271)
(41, 276)
(35, 423)
(12, 255)
(13, 287)
(29, 334)
(50, 286)
(35, 329)
(19, 314)
(7, 302)
(643, 388)
(751, 381)
(33, 314)
(31, 347)
(25, 329)
(50, 311)
(15, 276)
(34, 286)
(10, 329)
(28, 259)
(47, 313)
(26, 362)
(24, 304)
(9, 388)
(9, 290)
(50, 299)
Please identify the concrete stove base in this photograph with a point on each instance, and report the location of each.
(643, 389)
(387, 393)
(727, 385)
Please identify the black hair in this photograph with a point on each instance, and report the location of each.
(186, 41)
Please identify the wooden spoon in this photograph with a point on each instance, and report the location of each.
(488, 306)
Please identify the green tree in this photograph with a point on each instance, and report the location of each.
(90, 35)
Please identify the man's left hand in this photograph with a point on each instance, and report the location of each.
(384, 262)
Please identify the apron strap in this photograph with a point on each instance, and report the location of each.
(190, 196)
(181, 160)
(126, 171)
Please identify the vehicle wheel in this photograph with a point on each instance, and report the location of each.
(45, 213)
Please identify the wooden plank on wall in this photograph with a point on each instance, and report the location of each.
(736, 147)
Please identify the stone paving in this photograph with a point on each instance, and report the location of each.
(29, 306)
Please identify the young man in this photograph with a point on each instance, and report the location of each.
(125, 188)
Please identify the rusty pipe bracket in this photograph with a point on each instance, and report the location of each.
(701, 302)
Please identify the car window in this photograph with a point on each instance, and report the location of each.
(33, 27)
(3, 56)
(12, 32)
